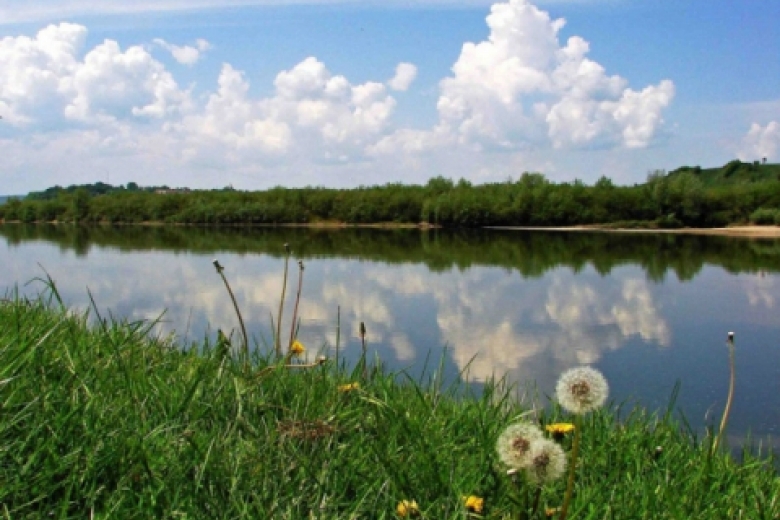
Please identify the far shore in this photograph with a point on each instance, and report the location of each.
(747, 231)
(731, 231)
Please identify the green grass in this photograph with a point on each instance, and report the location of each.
(105, 422)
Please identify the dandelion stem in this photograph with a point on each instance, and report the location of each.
(220, 270)
(575, 449)
(537, 499)
(278, 340)
(725, 419)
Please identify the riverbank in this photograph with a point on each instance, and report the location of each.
(732, 231)
(105, 421)
(751, 231)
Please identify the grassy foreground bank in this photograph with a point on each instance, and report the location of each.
(104, 422)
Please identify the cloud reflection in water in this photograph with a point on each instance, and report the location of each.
(490, 319)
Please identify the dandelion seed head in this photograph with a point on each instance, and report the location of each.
(582, 390)
(514, 444)
(548, 461)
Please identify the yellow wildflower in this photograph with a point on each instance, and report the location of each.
(297, 348)
(349, 387)
(407, 508)
(558, 430)
(551, 511)
(474, 503)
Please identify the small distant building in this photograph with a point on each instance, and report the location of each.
(171, 191)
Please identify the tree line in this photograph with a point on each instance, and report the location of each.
(683, 197)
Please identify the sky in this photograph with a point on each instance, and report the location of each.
(342, 93)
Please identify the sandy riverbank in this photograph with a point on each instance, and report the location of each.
(734, 231)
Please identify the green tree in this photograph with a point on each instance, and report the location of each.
(12, 209)
(686, 193)
(439, 185)
(81, 204)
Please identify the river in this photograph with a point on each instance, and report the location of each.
(650, 311)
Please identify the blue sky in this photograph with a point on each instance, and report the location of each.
(255, 93)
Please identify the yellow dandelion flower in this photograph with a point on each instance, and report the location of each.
(474, 503)
(407, 508)
(349, 387)
(297, 348)
(558, 430)
(560, 427)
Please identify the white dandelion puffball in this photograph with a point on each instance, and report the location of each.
(514, 444)
(547, 462)
(581, 390)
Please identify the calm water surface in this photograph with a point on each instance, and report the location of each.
(647, 310)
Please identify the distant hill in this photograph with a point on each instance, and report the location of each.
(734, 172)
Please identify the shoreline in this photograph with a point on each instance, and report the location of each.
(732, 231)
(744, 231)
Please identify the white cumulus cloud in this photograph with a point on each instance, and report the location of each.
(124, 100)
(521, 84)
(45, 78)
(185, 54)
(760, 142)
(37, 72)
(404, 76)
(521, 88)
(312, 113)
(110, 83)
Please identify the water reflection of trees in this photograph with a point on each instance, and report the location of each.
(531, 253)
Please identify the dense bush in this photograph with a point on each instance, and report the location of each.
(765, 216)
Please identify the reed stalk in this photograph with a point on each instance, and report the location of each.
(220, 270)
(278, 338)
(297, 301)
